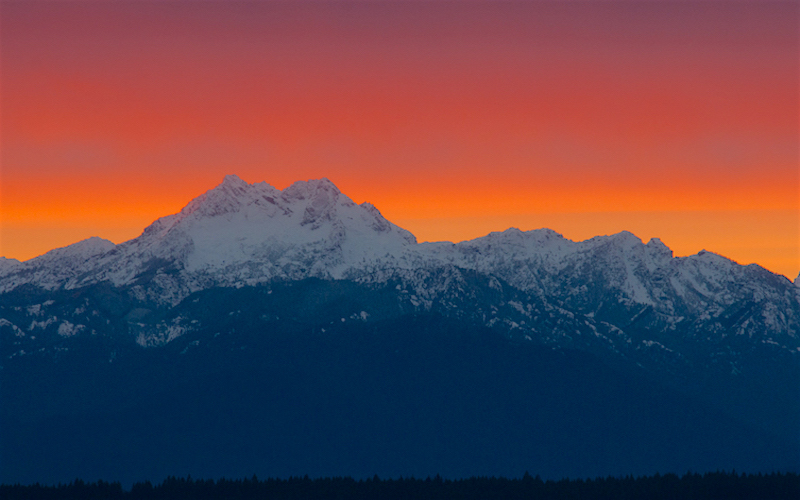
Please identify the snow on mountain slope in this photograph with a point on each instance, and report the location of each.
(310, 228)
(243, 234)
(609, 294)
(55, 267)
(236, 234)
(607, 274)
(541, 259)
(7, 265)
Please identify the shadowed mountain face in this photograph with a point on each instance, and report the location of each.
(295, 332)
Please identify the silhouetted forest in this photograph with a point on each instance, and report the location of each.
(717, 485)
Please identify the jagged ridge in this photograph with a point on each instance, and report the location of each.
(241, 234)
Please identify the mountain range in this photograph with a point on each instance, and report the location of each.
(297, 332)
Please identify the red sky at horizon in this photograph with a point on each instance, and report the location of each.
(671, 120)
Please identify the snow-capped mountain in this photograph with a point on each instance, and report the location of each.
(241, 234)
(238, 233)
(245, 266)
(234, 234)
(586, 276)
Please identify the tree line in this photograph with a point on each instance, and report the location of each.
(691, 486)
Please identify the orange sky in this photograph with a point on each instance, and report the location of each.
(671, 120)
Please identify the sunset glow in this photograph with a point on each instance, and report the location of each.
(671, 120)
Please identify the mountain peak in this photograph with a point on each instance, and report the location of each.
(626, 236)
(301, 190)
(657, 246)
(232, 186)
(232, 178)
(233, 181)
(229, 196)
(308, 228)
(251, 233)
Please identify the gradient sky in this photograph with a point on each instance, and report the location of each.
(676, 120)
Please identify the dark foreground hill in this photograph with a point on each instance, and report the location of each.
(414, 395)
(709, 486)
